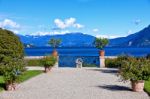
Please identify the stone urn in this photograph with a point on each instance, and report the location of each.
(102, 53)
(55, 53)
(11, 86)
(137, 86)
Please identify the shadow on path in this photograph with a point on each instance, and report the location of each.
(115, 88)
(105, 70)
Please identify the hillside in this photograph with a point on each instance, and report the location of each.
(139, 39)
(68, 40)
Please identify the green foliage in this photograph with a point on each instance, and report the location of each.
(25, 76)
(54, 42)
(135, 69)
(33, 62)
(147, 86)
(100, 43)
(49, 61)
(11, 56)
(89, 65)
(116, 62)
(112, 63)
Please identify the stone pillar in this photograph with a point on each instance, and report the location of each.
(56, 64)
(102, 58)
(102, 61)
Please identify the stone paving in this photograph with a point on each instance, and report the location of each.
(71, 83)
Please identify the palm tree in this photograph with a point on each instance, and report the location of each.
(100, 43)
(53, 42)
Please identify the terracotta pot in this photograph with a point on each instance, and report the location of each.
(11, 86)
(137, 86)
(102, 53)
(54, 53)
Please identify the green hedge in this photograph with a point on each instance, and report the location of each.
(112, 63)
(33, 62)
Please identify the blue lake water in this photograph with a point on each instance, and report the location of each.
(67, 56)
(41, 51)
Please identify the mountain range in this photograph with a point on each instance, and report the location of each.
(139, 39)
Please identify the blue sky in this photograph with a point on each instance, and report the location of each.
(105, 18)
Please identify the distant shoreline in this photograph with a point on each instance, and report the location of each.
(39, 57)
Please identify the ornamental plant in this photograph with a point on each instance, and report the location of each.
(53, 42)
(49, 61)
(11, 56)
(135, 69)
(100, 43)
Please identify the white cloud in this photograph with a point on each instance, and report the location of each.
(78, 26)
(70, 22)
(9, 24)
(95, 30)
(108, 36)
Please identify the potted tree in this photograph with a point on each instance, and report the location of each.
(100, 43)
(11, 72)
(135, 70)
(11, 58)
(54, 43)
(48, 62)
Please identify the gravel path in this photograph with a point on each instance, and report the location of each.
(67, 83)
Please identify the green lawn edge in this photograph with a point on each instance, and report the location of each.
(25, 76)
(147, 87)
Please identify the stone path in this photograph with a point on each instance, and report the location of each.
(68, 83)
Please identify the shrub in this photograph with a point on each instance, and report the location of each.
(89, 65)
(11, 56)
(112, 63)
(115, 62)
(33, 62)
(49, 61)
(135, 69)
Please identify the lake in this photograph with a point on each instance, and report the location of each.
(90, 56)
(111, 51)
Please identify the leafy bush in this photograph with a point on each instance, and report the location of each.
(11, 56)
(112, 63)
(115, 62)
(49, 61)
(33, 62)
(89, 65)
(135, 69)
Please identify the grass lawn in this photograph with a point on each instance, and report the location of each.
(147, 87)
(26, 75)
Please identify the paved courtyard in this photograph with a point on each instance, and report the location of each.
(69, 83)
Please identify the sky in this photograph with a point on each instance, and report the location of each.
(100, 18)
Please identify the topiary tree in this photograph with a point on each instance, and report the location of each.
(100, 43)
(54, 43)
(11, 57)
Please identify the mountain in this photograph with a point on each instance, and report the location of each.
(139, 39)
(68, 40)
